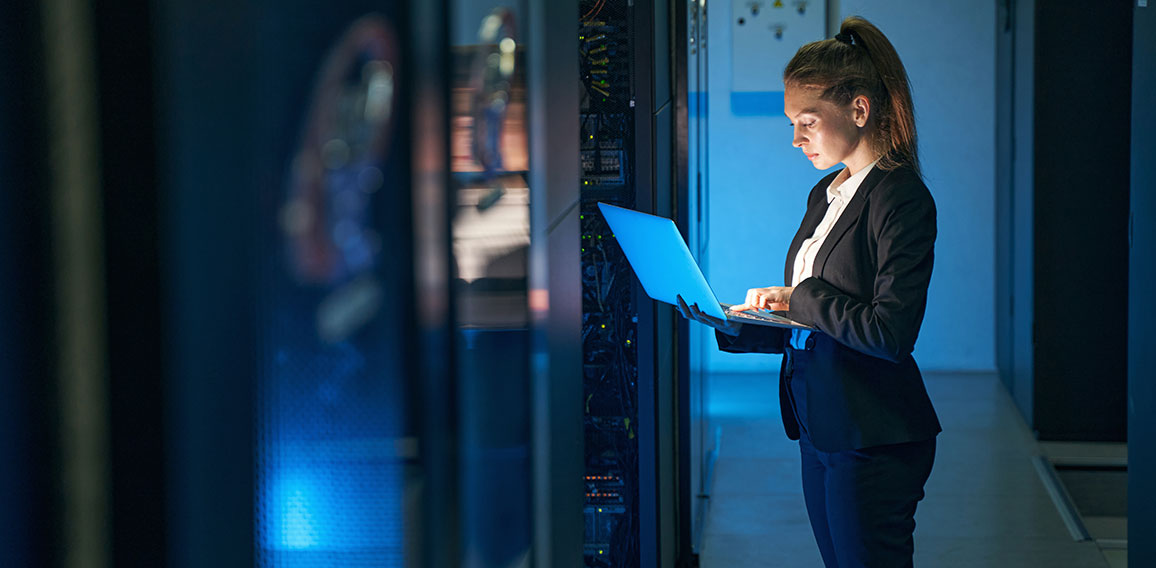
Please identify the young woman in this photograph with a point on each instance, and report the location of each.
(857, 271)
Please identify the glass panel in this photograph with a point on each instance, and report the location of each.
(330, 402)
(491, 239)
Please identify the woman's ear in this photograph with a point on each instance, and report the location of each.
(861, 110)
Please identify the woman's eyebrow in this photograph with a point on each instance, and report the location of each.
(802, 112)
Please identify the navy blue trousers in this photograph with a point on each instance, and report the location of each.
(862, 502)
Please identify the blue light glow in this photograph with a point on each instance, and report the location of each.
(298, 529)
(330, 479)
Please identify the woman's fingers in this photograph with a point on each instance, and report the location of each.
(752, 300)
(775, 298)
(692, 312)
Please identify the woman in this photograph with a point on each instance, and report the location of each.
(858, 271)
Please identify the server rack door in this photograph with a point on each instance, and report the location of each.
(288, 282)
(336, 313)
(490, 226)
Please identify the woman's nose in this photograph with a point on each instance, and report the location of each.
(798, 139)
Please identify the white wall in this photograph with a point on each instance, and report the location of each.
(759, 183)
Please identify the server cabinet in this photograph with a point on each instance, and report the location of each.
(296, 410)
(1067, 378)
(335, 338)
(635, 417)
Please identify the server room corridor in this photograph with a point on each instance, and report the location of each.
(985, 505)
(288, 284)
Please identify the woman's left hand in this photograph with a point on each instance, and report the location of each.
(774, 298)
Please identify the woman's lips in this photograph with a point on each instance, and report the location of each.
(812, 156)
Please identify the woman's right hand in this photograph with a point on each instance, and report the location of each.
(692, 313)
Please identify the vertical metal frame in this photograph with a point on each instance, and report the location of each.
(210, 299)
(649, 483)
(661, 390)
(1142, 305)
(690, 392)
(432, 504)
(555, 283)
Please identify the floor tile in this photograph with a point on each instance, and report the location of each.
(1115, 528)
(1116, 558)
(757, 515)
(746, 476)
(791, 548)
(971, 552)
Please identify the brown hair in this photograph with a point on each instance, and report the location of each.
(861, 61)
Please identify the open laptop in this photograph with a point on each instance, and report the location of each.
(664, 265)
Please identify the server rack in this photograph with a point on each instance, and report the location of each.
(609, 313)
(634, 503)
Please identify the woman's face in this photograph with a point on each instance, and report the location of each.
(827, 133)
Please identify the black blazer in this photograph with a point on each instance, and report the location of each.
(866, 296)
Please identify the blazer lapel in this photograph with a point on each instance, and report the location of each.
(847, 219)
(811, 220)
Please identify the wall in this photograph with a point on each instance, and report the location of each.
(759, 182)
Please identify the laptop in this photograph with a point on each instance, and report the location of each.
(666, 269)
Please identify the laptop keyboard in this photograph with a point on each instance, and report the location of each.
(756, 315)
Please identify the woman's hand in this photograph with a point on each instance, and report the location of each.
(692, 313)
(773, 298)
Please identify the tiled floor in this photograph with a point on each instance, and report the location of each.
(985, 504)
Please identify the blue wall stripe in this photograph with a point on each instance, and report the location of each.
(757, 103)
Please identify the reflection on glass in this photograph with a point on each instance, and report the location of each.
(330, 452)
(491, 238)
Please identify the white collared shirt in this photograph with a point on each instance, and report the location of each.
(837, 199)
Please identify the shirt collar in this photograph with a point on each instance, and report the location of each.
(848, 188)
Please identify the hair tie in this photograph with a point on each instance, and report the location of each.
(846, 38)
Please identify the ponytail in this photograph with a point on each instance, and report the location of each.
(861, 61)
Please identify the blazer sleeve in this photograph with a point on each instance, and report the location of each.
(885, 326)
(753, 339)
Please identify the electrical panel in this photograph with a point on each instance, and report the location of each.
(765, 34)
(609, 315)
